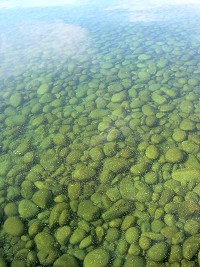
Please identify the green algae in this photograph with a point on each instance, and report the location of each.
(100, 153)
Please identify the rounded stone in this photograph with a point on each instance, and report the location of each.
(11, 209)
(27, 209)
(44, 241)
(83, 172)
(187, 125)
(174, 155)
(15, 100)
(97, 257)
(66, 261)
(13, 226)
(88, 211)
(134, 261)
(152, 152)
(42, 198)
(158, 252)
(179, 135)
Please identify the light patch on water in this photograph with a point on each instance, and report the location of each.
(36, 3)
(148, 11)
(52, 39)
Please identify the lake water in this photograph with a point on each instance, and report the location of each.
(99, 134)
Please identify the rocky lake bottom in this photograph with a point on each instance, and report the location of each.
(99, 143)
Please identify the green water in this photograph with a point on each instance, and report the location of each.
(99, 136)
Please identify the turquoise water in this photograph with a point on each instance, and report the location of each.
(99, 121)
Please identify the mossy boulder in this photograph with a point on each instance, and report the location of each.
(116, 165)
(88, 211)
(191, 247)
(11, 209)
(152, 152)
(117, 210)
(66, 260)
(63, 234)
(187, 125)
(42, 198)
(77, 236)
(96, 154)
(118, 97)
(186, 175)
(13, 226)
(15, 120)
(134, 261)
(27, 209)
(158, 252)
(179, 135)
(83, 172)
(97, 257)
(74, 156)
(44, 240)
(47, 256)
(43, 89)
(15, 100)
(98, 113)
(174, 155)
(148, 110)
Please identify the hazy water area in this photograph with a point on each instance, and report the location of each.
(100, 133)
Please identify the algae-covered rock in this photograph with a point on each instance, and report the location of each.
(132, 235)
(15, 100)
(192, 226)
(97, 257)
(179, 135)
(77, 236)
(112, 235)
(118, 97)
(47, 256)
(44, 240)
(43, 89)
(57, 213)
(187, 125)
(27, 209)
(191, 246)
(186, 175)
(174, 155)
(127, 189)
(11, 209)
(99, 113)
(140, 168)
(27, 189)
(134, 261)
(74, 190)
(74, 157)
(148, 110)
(113, 135)
(63, 234)
(35, 227)
(152, 152)
(15, 120)
(118, 209)
(110, 149)
(88, 211)
(190, 146)
(66, 260)
(158, 252)
(13, 226)
(83, 173)
(96, 154)
(116, 165)
(42, 198)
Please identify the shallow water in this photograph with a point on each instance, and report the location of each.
(100, 119)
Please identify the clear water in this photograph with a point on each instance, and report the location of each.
(99, 121)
